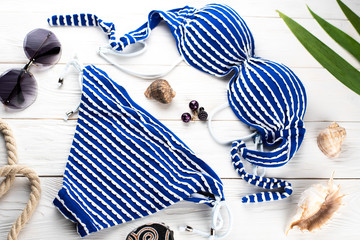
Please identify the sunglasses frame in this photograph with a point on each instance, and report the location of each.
(32, 60)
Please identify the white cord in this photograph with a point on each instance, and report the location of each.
(255, 168)
(103, 50)
(79, 67)
(220, 141)
(141, 50)
(217, 222)
(258, 141)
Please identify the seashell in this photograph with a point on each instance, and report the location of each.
(161, 91)
(151, 231)
(330, 140)
(316, 206)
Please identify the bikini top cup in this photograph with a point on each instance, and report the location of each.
(263, 94)
(213, 39)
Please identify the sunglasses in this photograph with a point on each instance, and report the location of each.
(18, 88)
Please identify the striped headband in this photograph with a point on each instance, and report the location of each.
(263, 94)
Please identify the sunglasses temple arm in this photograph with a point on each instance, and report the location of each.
(78, 66)
(52, 51)
(34, 56)
(17, 88)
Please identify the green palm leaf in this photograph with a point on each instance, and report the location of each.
(329, 59)
(353, 18)
(339, 36)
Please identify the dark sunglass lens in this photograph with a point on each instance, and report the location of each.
(43, 46)
(18, 88)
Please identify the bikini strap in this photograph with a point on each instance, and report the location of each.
(90, 20)
(257, 158)
(103, 50)
(217, 222)
(239, 148)
(79, 67)
(211, 131)
(117, 47)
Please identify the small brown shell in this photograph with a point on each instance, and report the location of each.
(330, 140)
(161, 91)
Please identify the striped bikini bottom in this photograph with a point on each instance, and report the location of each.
(124, 164)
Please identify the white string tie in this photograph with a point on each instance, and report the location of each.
(217, 222)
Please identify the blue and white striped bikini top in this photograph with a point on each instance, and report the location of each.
(263, 94)
(212, 39)
(125, 164)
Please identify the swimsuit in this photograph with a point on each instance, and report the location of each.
(124, 164)
(263, 94)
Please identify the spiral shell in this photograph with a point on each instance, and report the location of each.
(317, 206)
(161, 91)
(151, 231)
(330, 140)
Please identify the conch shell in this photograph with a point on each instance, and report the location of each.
(316, 206)
(161, 91)
(330, 140)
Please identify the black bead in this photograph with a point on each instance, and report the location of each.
(203, 115)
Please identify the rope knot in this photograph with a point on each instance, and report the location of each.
(9, 171)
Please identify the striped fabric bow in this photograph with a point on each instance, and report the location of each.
(267, 183)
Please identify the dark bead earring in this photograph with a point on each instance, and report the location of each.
(202, 115)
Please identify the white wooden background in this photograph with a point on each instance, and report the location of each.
(44, 139)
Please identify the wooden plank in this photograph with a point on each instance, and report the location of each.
(44, 145)
(253, 8)
(44, 139)
(273, 39)
(53, 102)
(272, 218)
